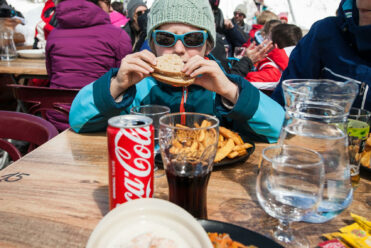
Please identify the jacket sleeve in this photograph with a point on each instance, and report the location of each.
(242, 67)
(268, 73)
(255, 115)
(94, 105)
(124, 47)
(234, 37)
(305, 60)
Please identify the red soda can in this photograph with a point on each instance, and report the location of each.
(130, 158)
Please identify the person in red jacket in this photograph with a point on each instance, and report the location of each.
(270, 68)
(45, 25)
(254, 33)
(43, 28)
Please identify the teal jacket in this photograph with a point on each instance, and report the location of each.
(255, 116)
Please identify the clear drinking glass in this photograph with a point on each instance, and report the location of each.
(8, 50)
(358, 128)
(289, 185)
(188, 143)
(316, 115)
(155, 112)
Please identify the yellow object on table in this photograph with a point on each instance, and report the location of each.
(356, 235)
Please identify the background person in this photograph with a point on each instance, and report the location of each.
(255, 32)
(283, 17)
(231, 98)
(119, 7)
(117, 15)
(286, 36)
(135, 9)
(45, 25)
(337, 48)
(270, 68)
(83, 47)
(228, 32)
(238, 19)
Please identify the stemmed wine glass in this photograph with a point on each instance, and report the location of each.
(155, 112)
(289, 185)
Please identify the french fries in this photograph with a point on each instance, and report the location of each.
(196, 143)
(230, 145)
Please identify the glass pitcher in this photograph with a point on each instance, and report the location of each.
(8, 50)
(316, 115)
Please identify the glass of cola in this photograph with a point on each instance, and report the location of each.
(188, 144)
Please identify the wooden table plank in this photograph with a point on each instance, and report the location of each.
(24, 66)
(63, 194)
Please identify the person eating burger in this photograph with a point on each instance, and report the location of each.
(185, 28)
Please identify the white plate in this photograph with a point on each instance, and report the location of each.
(32, 53)
(157, 217)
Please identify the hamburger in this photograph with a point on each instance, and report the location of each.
(169, 70)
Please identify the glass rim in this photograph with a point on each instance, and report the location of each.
(272, 160)
(215, 125)
(165, 109)
(290, 82)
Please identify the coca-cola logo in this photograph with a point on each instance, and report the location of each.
(140, 166)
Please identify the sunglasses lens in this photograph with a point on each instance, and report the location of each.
(194, 39)
(164, 39)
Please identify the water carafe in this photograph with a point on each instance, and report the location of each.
(316, 114)
(8, 50)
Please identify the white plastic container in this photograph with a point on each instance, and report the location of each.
(148, 216)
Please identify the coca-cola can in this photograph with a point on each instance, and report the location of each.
(130, 158)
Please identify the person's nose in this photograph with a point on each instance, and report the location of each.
(179, 47)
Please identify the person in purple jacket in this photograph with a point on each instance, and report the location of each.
(83, 47)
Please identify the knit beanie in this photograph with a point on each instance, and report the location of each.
(241, 8)
(133, 5)
(196, 13)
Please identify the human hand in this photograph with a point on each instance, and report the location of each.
(256, 53)
(208, 75)
(134, 67)
(228, 24)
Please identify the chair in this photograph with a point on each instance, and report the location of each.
(43, 99)
(23, 127)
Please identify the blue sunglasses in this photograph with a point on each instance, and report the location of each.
(190, 39)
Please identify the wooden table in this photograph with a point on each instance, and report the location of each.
(24, 68)
(56, 195)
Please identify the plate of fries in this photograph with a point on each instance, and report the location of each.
(231, 147)
(238, 234)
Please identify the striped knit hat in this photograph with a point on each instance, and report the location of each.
(196, 13)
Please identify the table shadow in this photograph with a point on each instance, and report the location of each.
(101, 197)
